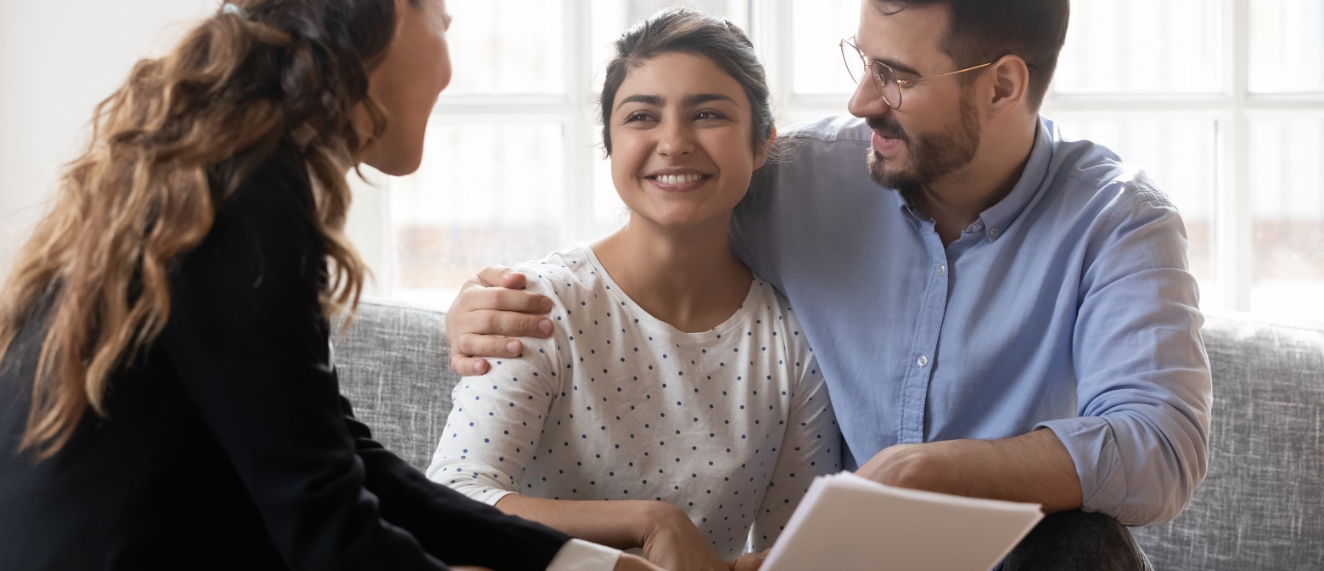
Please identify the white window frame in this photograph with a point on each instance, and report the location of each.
(372, 231)
(1231, 110)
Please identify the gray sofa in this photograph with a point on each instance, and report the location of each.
(1260, 507)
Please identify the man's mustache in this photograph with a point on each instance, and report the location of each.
(886, 127)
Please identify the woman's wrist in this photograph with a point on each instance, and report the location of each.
(621, 524)
(655, 518)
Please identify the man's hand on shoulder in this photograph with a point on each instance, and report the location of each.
(487, 316)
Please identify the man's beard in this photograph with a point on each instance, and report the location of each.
(932, 155)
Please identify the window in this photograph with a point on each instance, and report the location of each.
(1220, 101)
(512, 169)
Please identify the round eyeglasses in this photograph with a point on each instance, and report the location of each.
(890, 87)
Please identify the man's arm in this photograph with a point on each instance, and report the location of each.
(1137, 448)
(1143, 385)
(491, 311)
(1034, 468)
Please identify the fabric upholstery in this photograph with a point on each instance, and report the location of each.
(1261, 505)
(394, 366)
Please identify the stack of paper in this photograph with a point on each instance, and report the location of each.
(848, 523)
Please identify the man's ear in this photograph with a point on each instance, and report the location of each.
(761, 158)
(1011, 84)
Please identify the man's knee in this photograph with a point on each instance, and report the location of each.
(1077, 540)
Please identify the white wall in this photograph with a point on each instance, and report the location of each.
(58, 59)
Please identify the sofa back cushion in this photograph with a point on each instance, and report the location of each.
(394, 366)
(1261, 505)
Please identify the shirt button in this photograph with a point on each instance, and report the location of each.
(976, 227)
(923, 361)
(994, 232)
(942, 270)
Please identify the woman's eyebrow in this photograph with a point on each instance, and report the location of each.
(653, 100)
(700, 98)
(689, 101)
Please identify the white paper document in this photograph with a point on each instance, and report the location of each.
(848, 523)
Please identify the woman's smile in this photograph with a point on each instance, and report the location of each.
(678, 179)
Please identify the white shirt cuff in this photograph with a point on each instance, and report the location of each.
(580, 555)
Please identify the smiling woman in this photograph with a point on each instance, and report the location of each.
(676, 384)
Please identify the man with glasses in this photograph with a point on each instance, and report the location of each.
(1013, 319)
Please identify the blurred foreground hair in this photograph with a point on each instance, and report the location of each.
(168, 148)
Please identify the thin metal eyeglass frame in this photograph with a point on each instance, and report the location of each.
(879, 82)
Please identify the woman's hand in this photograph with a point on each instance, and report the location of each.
(672, 542)
(629, 562)
(750, 561)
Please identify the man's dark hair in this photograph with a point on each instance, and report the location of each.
(981, 31)
(686, 30)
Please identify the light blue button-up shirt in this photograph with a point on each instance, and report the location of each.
(1067, 305)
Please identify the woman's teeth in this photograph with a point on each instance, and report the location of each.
(670, 179)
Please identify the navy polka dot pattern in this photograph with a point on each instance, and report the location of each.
(730, 425)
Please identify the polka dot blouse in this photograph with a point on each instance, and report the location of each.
(730, 425)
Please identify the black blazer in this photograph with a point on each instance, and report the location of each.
(227, 445)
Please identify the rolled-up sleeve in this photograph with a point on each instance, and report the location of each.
(1143, 383)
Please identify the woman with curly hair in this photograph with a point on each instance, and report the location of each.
(167, 398)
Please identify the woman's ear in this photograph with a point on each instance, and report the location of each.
(761, 157)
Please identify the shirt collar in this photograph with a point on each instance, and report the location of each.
(907, 209)
(993, 222)
(998, 217)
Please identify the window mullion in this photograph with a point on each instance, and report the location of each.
(368, 227)
(577, 128)
(774, 42)
(1235, 216)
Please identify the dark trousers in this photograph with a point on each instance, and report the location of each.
(1077, 541)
